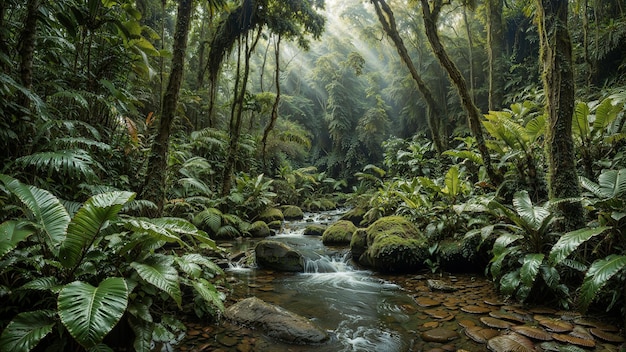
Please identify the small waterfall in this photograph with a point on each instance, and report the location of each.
(327, 264)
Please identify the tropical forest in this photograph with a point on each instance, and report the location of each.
(312, 175)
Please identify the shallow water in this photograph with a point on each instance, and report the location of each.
(361, 310)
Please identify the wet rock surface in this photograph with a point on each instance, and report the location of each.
(275, 321)
(278, 256)
(466, 331)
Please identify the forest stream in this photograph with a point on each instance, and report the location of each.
(367, 311)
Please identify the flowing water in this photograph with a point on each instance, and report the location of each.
(361, 310)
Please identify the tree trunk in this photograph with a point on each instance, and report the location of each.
(154, 185)
(274, 116)
(473, 114)
(558, 78)
(388, 22)
(495, 50)
(27, 49)
(236, 115)
(470, 51)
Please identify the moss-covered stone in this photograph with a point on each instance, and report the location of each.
(339, 233)
(259, 229)
(275, 225)
(358, 243)
(272, 214)
(315, 230)
(292, 212)
(463, 255)
(278, 256)
(393, 244)
(355, 215)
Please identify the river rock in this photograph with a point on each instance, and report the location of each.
(272, 214)
(339, 233)
(441, 335)
(278, 256)
(354, 215)
(292, 212)
(314, 230)
(391, 244)
(259, 229)
(275, 321)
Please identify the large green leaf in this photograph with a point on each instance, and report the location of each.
(50, 215)
(532, 215)
(11, 234)
(598, 275)
(570, 241)
(76, 164)
(613, 183)
(87, 223)
(159, 271)
(606, 113)
(153, 229)
(209, 293)
(26, 330)
(580, 125)
(453, 183)
(530, 268)
(89, 313)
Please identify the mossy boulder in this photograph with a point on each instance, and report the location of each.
(275, 225)
(392, 244)
(462, 255)
(355, 215)
(339, 233)
(292, 212)
(315, 230)
(259, 229)
(272, 214)
(358, 243)
(278, 256)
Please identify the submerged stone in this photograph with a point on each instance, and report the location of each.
(439, 335)
(275, 321)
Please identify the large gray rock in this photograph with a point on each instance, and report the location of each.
(278, 256)
(275, 321)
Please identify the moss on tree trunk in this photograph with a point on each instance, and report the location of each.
(154, 185)
(558, 77)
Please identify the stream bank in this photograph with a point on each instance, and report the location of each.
(367, 311)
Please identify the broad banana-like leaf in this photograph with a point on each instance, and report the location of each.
(50, 215)
(453, 183)
(536, 127)
(613, 183)
(47, 283)
(159, 270)
(11, 234)
(26, 330)
(532, 215)
(570, 241)
(580, 123)
(198, 259)
(465, 154)
(209, 293)
(509, 282)
(598, 275)
(143, 334)
(154, 230)
(606, 113)
(90, 313)
(530, 268)
(87, 223)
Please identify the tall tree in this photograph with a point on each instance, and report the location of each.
(431, 15)
(154, 184)
(495, 50)
(27, 48)
(388, 22)
(274, 115)
(558, 78)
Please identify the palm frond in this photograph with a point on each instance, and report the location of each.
(77, 163)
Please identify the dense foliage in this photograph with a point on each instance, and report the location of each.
(133, 134)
